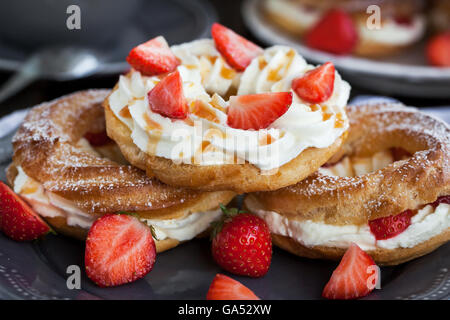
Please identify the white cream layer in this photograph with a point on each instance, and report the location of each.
(206, 77)
(427, 223)
(48, 204)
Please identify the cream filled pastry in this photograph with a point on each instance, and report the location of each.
(225, 123)
(71, 173)
(387, 190)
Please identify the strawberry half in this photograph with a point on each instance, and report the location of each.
(225, 288)
(389, 227)
(334, 33)
(119, 249)
(97, 139)
(242, 243)
(167, 98)
(153, 57)
(237, 51)
(257, 111)
(355, 276)
(438, 50)
(17, 220)
(317, 85)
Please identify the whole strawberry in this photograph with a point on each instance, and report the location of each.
(242, 243)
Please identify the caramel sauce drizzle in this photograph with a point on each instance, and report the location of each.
(199, 109)
(151, 124)
(266, 139)
(31, 187)
(227, 73)
(339, 123)
(125, 112)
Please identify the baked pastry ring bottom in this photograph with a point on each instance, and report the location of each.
(394, 159)
(70, 182)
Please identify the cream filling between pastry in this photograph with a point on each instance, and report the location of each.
(427, 223)
(48, 204)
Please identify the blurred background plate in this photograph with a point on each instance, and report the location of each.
(404, 74)
(110, 26)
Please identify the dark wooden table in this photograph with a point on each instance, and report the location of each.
(229, 14)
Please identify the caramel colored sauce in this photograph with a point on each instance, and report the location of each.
(189, 122)
(199, 109)
(314, 107)
(326, 116)
(339, 123)
(29, 188)
(214, 132)
(262, 63)
(266, 139)
(212, 59)
(227, 73)
(274, 74)
(125, 112)
(190, 66)
(151, 124)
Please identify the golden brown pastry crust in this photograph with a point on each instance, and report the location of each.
(237, 177)
(45, 147)
(402, 185)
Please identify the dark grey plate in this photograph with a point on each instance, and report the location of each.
(177, 20)
(38, 270)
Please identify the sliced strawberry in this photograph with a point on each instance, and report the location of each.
(317, 85)
(334, 33)
(119, 249)
(225, 288)
(167, 97)
(443, 199)
(237, 51)
(153, 57)
(97, 139)
(257, 111)
(438, 50)
(17, 220)
(389, 227)
(355, 276)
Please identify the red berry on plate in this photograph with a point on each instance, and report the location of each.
(237, 51)
(438, 50)
(167, 98)
(317, 85)
(119, 249)
(153, 57)
(335, 33)
(225, 288)
(97, 139)
(389, 227)
(257, 111)
(355, 276)
(242, 244)
(17, 220)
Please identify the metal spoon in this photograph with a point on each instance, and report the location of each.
(55, 63)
